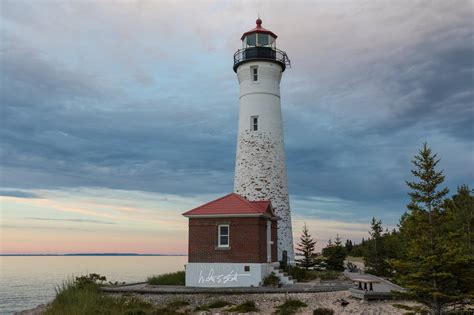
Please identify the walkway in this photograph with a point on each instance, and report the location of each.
(143, 288)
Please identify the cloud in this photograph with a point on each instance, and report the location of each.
(19, 194)
(142, 97)
(72, 220)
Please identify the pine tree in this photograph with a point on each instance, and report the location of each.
(335, 254)
(375, 255)
(305, 249)
(428, 268)
(348, 246)
(461, 211)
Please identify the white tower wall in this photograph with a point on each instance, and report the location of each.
(260, 171)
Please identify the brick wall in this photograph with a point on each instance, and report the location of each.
(247, 240)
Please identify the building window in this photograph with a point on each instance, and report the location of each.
(223, 235)
(254, 123)
(254, 73)
(247, 268)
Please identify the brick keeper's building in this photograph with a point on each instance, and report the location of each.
(232, 242)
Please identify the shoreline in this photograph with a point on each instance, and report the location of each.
(38, 310)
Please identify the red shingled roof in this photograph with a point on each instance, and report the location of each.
(231, 204)
(259, 29)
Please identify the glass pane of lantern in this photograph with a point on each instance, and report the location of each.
(262, 39)
(251, 40)
(272, 40)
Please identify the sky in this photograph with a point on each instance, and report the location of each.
(118, 116)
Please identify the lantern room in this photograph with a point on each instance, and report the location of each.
(260, 44)
(258, 37)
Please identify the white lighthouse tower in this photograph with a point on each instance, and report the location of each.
(260, 170)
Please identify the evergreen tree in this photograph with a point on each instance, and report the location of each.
(375, 255)
(461, 211)
(348, 246)
(432, 261)
(305, 249)
(335, 254)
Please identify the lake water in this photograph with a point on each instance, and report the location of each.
(27, 281)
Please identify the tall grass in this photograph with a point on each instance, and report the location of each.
(174, 278)
(77, 298)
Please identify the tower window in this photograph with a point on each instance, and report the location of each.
(254, 73)
(254, 123)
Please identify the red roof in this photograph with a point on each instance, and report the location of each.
(232, 204)
(259, 29)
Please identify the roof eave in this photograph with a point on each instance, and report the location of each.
(234, 215)
(259, 31)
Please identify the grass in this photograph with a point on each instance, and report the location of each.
(177, 304)
(323, 311)
(72, 298)
(215, 304)
(174, 278)
(246, 307)
(290, 306)
(83, 296)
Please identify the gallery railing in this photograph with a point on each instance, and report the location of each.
(261, 53)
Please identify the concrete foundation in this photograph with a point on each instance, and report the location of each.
(226, 275)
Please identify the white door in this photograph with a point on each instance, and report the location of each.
(269, 241)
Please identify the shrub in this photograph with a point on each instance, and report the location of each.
(271, 280)
(91, 279)
(323, 311)
(327, 274)
(290, 306)
(246, 307)
(303, 275)
(174, 278)
(218, 304)
(300, 274)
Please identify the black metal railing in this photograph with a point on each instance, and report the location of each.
(261, 53)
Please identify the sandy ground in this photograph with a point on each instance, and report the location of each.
(267, 302)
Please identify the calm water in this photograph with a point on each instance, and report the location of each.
(26, 282)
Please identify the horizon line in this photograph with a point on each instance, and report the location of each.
(88, 254)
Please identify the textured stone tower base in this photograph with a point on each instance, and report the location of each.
(260, 171)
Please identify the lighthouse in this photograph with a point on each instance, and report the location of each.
(239, 239)
(260, 170)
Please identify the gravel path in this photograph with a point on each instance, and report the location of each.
(266, 303)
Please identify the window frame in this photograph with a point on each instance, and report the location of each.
(254, 73)
(219, 235)
(254, 123)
